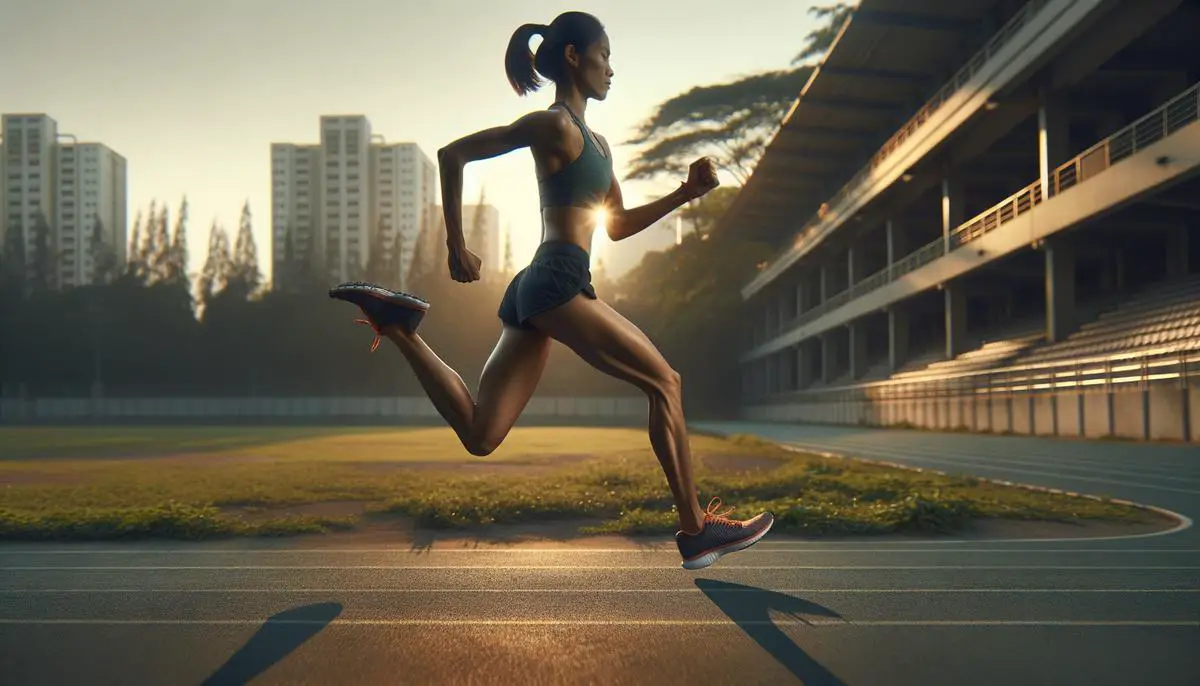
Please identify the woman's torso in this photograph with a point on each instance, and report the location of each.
(573, 189)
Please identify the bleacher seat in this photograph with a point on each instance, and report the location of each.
(996, 353)
(1163, 316)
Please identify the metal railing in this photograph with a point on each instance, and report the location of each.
(956, 83)
(998, 215)
(1177, 113)
(1138, 370)
(1168, 118)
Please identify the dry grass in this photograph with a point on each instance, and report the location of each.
(205, 482)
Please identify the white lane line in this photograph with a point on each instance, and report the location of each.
(1002, 459)
(963, 464)
(542, 551)
(47, 591)
(579, 567)
(607, 622)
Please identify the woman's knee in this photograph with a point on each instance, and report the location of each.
(482, 444)
(666, 385)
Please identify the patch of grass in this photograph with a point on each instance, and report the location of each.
(538, 475)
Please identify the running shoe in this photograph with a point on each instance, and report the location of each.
(383, 307)
(720, 536)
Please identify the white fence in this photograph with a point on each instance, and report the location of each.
(35, 410)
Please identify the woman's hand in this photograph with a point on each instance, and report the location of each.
(464, 265)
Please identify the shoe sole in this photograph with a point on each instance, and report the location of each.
(707, 559)
(336, 294)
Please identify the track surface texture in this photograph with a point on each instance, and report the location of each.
(616, 611)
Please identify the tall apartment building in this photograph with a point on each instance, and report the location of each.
(70, 189)
(330, 199)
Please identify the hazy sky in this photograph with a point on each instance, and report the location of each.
(193, 92)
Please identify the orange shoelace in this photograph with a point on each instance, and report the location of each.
(712, 514)
(378, 333)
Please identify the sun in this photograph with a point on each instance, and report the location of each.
(600, 235)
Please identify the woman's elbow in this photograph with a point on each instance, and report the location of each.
(447, 155)
(613, 229)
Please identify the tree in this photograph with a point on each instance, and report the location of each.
(133, 265)
(245, 273)
(160, 248)
(177, 257)
(104, 258)
(477, 238)
(731, 122)
(218, 267)
(145, 251)
(704, 213)
(508, 256)
(818, 41)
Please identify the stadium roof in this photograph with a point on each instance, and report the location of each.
(888, 58)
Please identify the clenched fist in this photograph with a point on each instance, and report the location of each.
(702, 177)
(464, 265)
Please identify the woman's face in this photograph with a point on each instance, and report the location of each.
(593, 74)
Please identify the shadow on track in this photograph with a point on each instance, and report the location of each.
(278, 637)
(750, 608)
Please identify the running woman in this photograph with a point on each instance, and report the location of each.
(552, 299)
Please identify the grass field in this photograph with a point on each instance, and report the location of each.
(203, 482)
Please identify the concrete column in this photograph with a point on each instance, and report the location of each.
(897, 338)
(784, 310)
(897, 243)
(952, 207)
(858, 349)
(826, 282)
(956, 320)
(1060, 289)
(785, 360)
(828, 359)
(1177, 251)
(856, 265)
(804, 364)
(1054, 146)
(769, 319)
(801, 293)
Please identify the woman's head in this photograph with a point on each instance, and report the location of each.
(574, 49)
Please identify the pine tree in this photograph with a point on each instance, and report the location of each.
(132, 265)
(146, 249)
(104, 258)
(245, 254)
(160, 259)
(177, 256)
(477, 240)
(508, 256)
(218, 266)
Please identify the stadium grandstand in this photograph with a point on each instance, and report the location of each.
(987, 216)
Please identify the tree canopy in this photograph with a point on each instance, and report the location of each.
(731, 121)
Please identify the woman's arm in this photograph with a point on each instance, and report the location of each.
(530, 130)
(622, 223)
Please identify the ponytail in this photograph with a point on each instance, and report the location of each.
(519, 60)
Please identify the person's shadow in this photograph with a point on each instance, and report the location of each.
(750, 608)
(279, 636)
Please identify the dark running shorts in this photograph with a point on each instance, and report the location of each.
(558, 272)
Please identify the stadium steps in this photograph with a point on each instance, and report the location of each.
(1162, 316)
